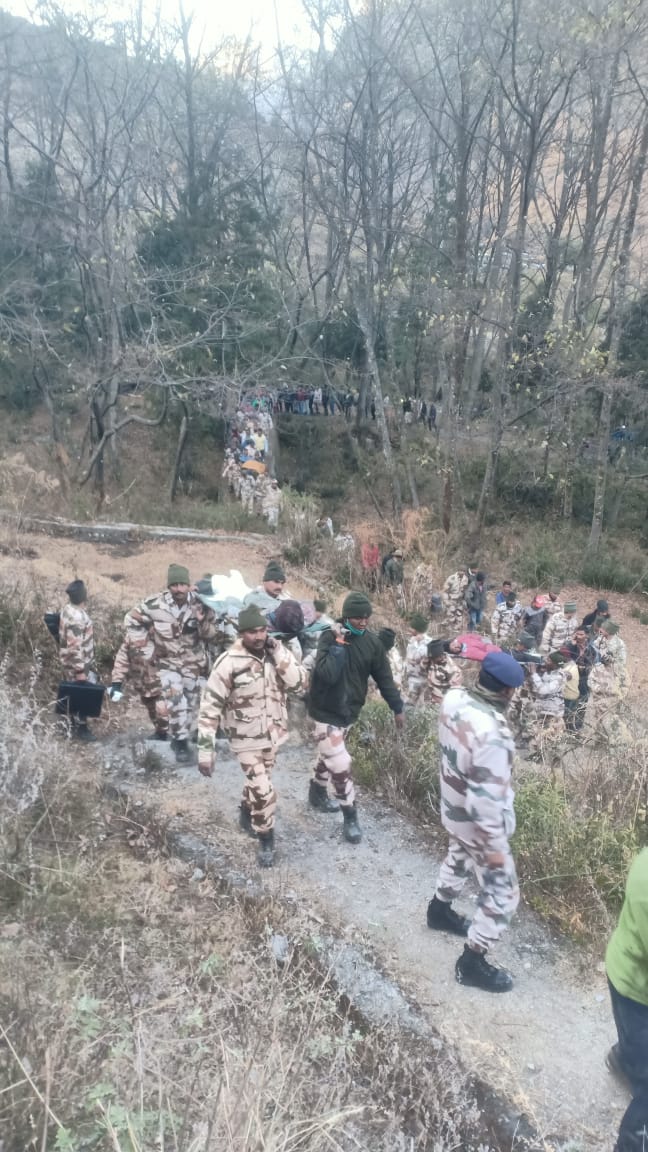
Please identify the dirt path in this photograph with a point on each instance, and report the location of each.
(543, 1045)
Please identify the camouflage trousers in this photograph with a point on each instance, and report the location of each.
(334, 761)
(416, 695)
(499, 894)
(454, 614)
(176, 709)
(259, 796)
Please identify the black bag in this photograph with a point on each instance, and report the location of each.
(79, 698)
(53, 624)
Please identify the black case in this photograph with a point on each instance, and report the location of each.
(79, 698)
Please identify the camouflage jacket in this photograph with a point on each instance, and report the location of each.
(135, 661)
(547, 692)
(416, 657)
(455, 586)
(246, 696)
(442, 677)
(180, 634)
(611, 674)
(505, 623)
(558, 631)
(476, 749)
(76, 641)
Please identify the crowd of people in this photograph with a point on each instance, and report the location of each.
(311, 400)
(246, 468)
(201, 674)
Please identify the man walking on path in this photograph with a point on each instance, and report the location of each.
(476, 748)
(246, 694)
(76, 650)
(271, 591)
(347, 656)
(505, 621)
(454, 591)
(180, 627)
(626, 962)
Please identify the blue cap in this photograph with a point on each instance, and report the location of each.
(504, 668)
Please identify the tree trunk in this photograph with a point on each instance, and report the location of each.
(601, 469)
(568, 491)
(372, 365)
(177, 463)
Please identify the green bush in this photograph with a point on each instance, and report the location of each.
(607, 570)
(573, 869)
(402, 765)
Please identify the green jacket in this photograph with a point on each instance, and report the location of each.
(626, 959)
(339, 682)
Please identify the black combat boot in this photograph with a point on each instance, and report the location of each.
(160, 735)
(351, 830)
(472, 968)
(265, 855)
(182, 751)
(245, 820)
(442, 915)
(319, 798)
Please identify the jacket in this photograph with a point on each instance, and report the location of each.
(246, 695)
(179, 632)
(76, 641)
(475, 596)
(339, 682)
(476, 749)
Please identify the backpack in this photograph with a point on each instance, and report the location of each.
(384, 561)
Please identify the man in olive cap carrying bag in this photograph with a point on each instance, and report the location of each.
(246, 696)
(271, 591)
(347, 655)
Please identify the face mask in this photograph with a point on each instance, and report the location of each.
(354, 631)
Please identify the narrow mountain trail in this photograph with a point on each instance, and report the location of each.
(542, 1046)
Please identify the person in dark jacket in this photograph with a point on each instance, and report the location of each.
(347, 655)
(475, 597)
(602, 610)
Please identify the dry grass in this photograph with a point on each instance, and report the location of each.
(143, 1009)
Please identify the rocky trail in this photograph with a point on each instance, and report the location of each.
(542, 1047)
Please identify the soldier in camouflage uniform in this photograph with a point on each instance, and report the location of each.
(560, 627)
(553, 604)
(608, 680)
(246, 694)
(416, 660)
(271, 503)
(454, 591)
(477, 750)
(505, 621)
(180, 628)
(442, 673)
(76, 650)
(135, 661)
(248, 490)
(547, 685)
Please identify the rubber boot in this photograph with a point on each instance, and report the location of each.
(351, 830)
(442, 916)
(265, 855)
(319, 799)
(245, 820)
(472, 968)
(182, 751)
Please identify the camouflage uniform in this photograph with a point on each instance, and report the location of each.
(454, 591)
(477, 749)
(423, 587)
(440, 678)
(608, 680)
(76, 643)
(271, 505)
(416, 666)
(559, 630)
(179, 634)
(505, 623)
(547, 693)
(248, 492)
(246, 695)
(135, 661)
